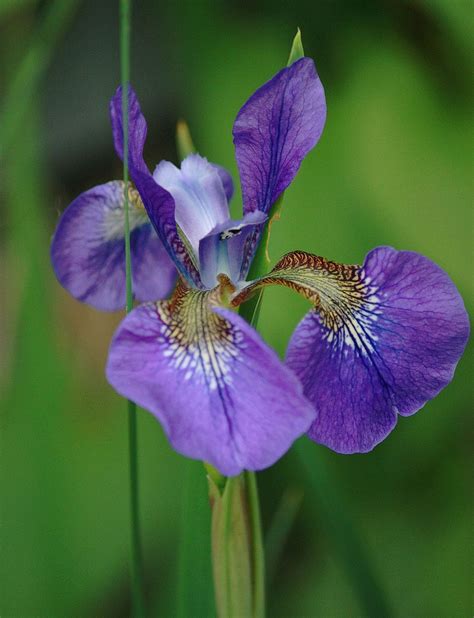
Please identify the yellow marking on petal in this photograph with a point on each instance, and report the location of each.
(114, 219)
(134, 198)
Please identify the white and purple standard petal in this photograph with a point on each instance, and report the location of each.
(88, 250)
(199, 195)
(158, 202)
(222, 250)
(226, 180)
(383, 343)
(220, 393)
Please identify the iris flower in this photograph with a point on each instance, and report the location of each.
(380, 340)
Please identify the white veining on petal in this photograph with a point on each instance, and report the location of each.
(347, 304)
(355, 329)
(199, 196)
(199, 342)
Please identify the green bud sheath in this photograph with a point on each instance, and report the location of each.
(231, 542)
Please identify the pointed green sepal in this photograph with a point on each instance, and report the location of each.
(297, 50)
(216, 477)
(184, 141)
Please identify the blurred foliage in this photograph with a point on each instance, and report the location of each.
(394, 166)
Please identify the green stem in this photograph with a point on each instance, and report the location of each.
(227, 518)
(258, 556)
(136, 571)
(136, 552)
(250, 311)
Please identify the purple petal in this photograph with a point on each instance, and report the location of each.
(222, 250)
(275, 129)
(386, 352)
(153, 273)
(137, 129)
(158, 203)
(220, 393)
(198, 193)
(88, 250)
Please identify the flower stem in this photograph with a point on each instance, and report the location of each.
(136, 572)
(258, 556)
(250, 311)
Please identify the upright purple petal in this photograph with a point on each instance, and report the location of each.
(220, 393)
(384, 347)
(273, 132)
(275, 129)
(158, 202)
(88, 250)
(137, 129)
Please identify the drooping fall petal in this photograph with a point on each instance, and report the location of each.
(88, 250)
(382, 340)
(220, 393)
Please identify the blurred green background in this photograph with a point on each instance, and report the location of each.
(394, 166)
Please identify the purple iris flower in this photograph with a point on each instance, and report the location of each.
(380, 340)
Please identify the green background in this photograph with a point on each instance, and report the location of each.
(394, 166)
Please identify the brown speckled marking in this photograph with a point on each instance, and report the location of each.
(199, 341)
(301, 259)
(336, 290)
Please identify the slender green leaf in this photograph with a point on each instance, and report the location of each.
(9, 6)
(38, 54)
(194, 595)
(280, 528)
(32, 480)
(335, 517)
